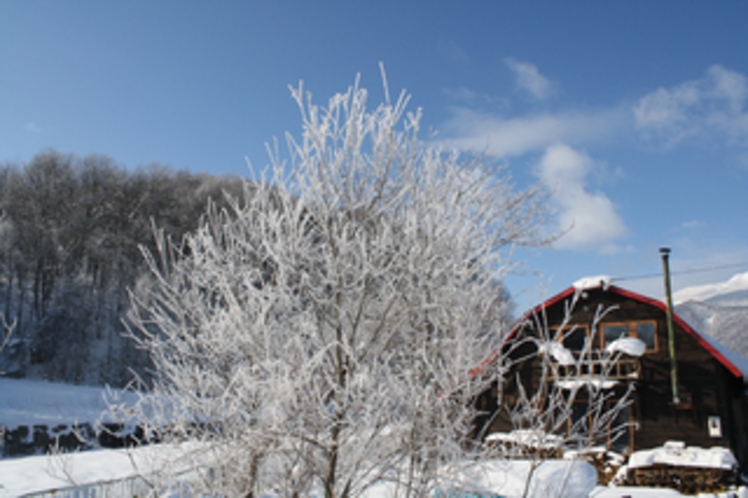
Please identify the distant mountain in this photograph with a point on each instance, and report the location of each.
(734, 292)
(719, 310)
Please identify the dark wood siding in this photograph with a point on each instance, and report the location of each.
(706, 387)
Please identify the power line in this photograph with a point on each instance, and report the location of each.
(682, 272)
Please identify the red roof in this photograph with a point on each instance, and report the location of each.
(718, 351)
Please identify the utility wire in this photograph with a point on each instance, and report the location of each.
(681, 272)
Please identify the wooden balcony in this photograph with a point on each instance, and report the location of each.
(596, 366)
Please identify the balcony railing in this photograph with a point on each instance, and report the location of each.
(596, 366)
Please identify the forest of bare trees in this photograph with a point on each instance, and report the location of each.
(70, 231)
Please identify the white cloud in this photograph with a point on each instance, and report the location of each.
(462, 94)
(689, 225)
(529, 79)
(711, 108)
(712, 105)
(453, 51)
(33, 128)
(589, 219)
(743, 160)
(473, 130)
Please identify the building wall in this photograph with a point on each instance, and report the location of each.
(707, 388)
(703, 390)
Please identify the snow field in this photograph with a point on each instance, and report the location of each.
(29, 402)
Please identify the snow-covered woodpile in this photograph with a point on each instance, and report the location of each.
(686, 480)
(526, 445)
(689, 470)
(606, 462)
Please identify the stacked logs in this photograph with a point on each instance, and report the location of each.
(686, 480)
(606, 463)
(519, 450)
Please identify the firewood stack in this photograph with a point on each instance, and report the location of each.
(606, 463)
(686, 480)
(522, 445)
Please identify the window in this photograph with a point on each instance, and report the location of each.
(617, 434)
(573, 338)
(615, 332)
(512, 401)
(644, 331)
(621, 431)
(580, 414)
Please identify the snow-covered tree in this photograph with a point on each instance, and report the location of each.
(319, 333)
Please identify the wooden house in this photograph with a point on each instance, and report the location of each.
(708, 409)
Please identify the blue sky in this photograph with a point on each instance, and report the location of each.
(634, 112)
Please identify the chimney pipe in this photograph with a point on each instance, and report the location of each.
(665, 251)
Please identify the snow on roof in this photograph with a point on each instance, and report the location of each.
(676, 453)
(586, 283)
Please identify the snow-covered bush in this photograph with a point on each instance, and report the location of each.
(318, 334)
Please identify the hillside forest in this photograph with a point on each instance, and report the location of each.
(71, 229)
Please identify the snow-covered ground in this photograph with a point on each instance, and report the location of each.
(28, 402)
(631, 492)
(31, 475)
(555, 478)
(38, 474)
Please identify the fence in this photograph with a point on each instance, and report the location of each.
(131, 487)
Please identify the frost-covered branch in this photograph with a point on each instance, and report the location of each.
(7, 331)
(311, 336)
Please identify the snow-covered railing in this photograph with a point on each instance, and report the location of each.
(131, 486)
(619, 361)
(596, 366)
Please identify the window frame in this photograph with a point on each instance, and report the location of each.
(559, 332)
(632, 332)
